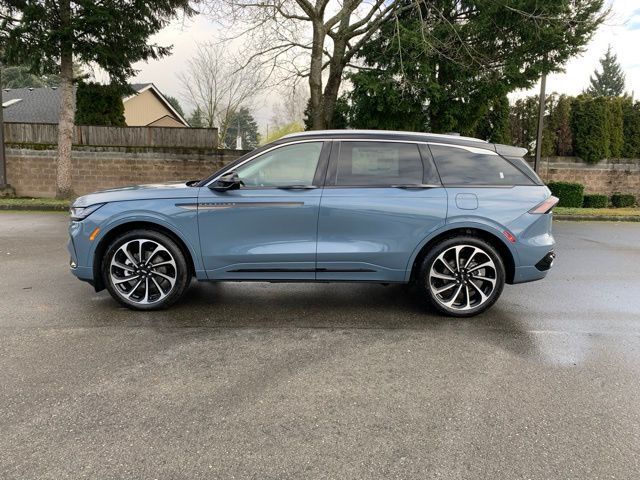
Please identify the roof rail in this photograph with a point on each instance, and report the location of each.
(384, 132)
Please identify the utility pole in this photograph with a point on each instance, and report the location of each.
(4, 187)
(543, 85)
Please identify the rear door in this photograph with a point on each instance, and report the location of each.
(381, 199)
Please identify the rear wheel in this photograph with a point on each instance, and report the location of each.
(462, 276)
(145, 270)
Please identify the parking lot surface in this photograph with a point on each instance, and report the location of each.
(344, 381)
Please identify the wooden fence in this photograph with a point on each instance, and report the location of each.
(89, 135)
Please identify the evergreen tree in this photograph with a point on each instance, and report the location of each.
(49, 35)
(99, 105)
(590, 126)
(495, 124)
(195, 120)
(610, 81)
(475, 53)
(20, 77)
(175, 103)
(631, 115)
(560, 124)
(243, 122)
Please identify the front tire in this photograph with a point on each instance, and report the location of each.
(145, 270)
(462, 276)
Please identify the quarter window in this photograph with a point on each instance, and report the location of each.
(378, 164)
(459, 166)
(288, 165)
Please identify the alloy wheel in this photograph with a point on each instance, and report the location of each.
(463, 277)
(143, 271)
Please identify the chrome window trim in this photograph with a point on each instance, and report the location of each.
(315, 140)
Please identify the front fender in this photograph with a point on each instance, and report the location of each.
(164, 213)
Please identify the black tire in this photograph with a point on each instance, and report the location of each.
(158, 285)
(477, 288)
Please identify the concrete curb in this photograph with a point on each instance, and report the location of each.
(35, 208)
(597, 218)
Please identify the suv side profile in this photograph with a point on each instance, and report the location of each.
(456, 216)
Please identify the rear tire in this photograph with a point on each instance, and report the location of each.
(462, 276)
(145, 270)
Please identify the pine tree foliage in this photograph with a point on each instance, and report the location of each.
(99, 105)
(440, 65)
(196, 120)
(243, 124)
(609, 82)
(175, 103)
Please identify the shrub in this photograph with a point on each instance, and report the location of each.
(622, 200)
(616, 127)
(595, 201)
(631, 111)
(570, 194)
(590, 121)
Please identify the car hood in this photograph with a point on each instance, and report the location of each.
(139, 192)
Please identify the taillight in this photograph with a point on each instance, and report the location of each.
(546, 206)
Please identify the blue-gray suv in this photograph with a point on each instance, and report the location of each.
(458, 217)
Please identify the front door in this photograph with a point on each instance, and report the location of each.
(267, 229)
(381, 199)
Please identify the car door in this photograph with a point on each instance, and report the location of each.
(266, 229)
(381, 199)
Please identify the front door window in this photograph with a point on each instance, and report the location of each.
(285, 166)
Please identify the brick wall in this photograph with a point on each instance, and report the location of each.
(604, 177)
(33, 172)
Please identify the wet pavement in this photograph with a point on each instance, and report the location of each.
(337, 381)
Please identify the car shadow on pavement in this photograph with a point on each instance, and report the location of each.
(334, 306)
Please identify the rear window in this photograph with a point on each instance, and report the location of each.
(378, 164)
(461, 166)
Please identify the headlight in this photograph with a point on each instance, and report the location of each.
(80, 213)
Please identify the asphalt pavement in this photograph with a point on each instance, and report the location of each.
(342, 381)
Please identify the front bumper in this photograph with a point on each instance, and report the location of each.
(77, 261)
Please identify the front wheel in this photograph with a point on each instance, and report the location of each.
(462, 276)
(145, 270)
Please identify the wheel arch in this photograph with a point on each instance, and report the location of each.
(493, 238)
(109, 236)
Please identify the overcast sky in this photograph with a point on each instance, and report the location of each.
(622, 32)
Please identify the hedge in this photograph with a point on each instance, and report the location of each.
(590, 122)
(570, 194)
(595, 201)
(622, 200)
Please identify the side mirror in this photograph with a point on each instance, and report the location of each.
(229, 181)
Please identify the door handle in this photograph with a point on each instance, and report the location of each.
(414, 186)
(297, 187)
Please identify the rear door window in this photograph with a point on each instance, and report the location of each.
(472, 166)
(370, 164)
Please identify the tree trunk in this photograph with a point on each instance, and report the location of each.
(65, 130)
(315, 78)
(332, 88)
(67, 111)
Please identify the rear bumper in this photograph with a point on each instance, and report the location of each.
(546, 262)
(537, 271)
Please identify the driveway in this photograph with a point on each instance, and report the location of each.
(336, 381)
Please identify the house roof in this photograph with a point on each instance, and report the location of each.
(31, 105)
(42, 105)
(143, 87)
